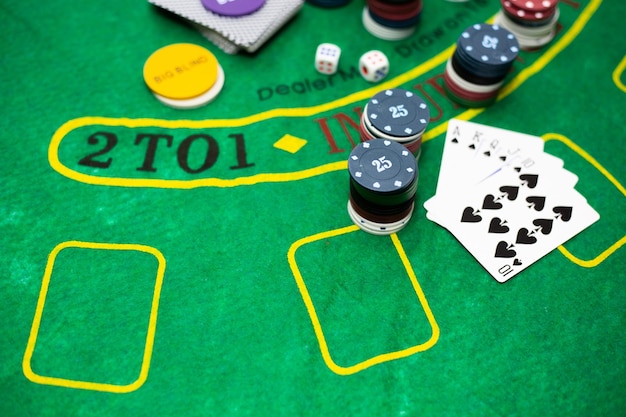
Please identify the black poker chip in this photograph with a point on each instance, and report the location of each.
(379, 209)
(486, 48)
(398, 112)
(385, 199)
(386, 216)
(382, 166)
(474, 77)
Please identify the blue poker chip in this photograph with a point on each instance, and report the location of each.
(487, 46)
(382, 166)
(399, 113)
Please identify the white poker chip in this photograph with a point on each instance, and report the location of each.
(529, 38)
(380, 229)
(384, 32)
(199, 101)
(383, 135)
(466, 85)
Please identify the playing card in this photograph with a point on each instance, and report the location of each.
(473, 151)
(507, 238)
(528, 176)
(505, 200)
(232, 33)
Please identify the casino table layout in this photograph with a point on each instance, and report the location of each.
(164, 262)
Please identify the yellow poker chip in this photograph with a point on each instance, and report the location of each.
(181, 71)
(199, 101)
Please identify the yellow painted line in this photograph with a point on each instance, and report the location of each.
(598, 259)
(593, 162)
(580, 151)
(317, 327)
(147, 354)
(362, 95)
(617, 74)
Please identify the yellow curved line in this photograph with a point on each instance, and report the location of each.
(580, 151)
(595, 261)
(317, 327)
(591, 160)
(617, 74)
(147, 354)
(362, 95)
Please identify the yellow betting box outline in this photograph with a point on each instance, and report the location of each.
(592, 161)
(319, 333)
(90, 385)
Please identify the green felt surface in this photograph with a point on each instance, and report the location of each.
(191, 293)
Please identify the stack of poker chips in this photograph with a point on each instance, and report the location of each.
(533, 22)
(383, 183)
(391, 19)
(482, 59)
(398, 115)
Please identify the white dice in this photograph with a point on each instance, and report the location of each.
(374, 66)
(327, 58)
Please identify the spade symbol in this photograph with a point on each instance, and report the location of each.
(496, 225)
(564, 211)
(455, 140)
(510, 191)
(517, 262)
(536, 202)
(504, 251)
(518, 169)
(489, 203)
(529, 179)
(503, 158)
(524, 237)
(472, 146)
(469, 216)
(545, 225)
(487, 153)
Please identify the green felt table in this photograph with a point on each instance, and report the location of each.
(161, 262)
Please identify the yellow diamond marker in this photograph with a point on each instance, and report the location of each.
(180, 71)
(290, 143)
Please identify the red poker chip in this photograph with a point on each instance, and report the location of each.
(531, 20)
(414, 146)
(468, 103)
(365, 133)
(395, 11)
(467, 95)
(535, 5)
(529, 15)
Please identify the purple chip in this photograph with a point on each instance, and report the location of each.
(233, 7)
